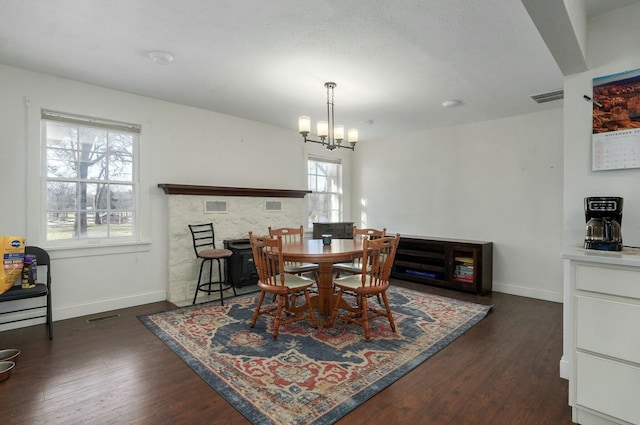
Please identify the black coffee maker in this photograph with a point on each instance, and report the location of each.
(604, 218)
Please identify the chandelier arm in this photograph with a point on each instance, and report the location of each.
(328, 146)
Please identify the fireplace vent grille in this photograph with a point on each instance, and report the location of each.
(273, 206)
(211, 207)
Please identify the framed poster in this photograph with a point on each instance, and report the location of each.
(615, 140)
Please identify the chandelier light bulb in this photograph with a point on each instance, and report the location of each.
(304, 124)
(323, 128)
(352, 135)
(338, 132)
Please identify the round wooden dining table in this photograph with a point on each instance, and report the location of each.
(314, 251)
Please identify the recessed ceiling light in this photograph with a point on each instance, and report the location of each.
(160, 57)
(451, 103)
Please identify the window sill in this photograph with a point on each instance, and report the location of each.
(97, 249)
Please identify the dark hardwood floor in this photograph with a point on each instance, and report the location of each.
(504, 370)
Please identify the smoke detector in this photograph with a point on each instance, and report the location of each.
(160, 57)
(452, 103)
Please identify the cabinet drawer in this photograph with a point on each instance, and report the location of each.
(608, 327)
(608, 280)
(608, 387)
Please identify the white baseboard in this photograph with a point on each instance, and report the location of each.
(68, 312)
(540, 294)
(565, 369)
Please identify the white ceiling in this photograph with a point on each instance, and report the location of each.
(394, 62)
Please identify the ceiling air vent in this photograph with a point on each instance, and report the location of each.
(548, 97)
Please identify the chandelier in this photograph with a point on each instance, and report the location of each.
(331, 135)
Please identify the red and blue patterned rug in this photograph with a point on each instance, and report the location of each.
(308, 376)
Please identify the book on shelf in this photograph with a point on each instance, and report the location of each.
(467, 260)
(464, 278)
(465, 274)
(421, 273)
(464, 269)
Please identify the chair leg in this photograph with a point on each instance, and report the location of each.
(210, 277)
(334, 313)
(389, 314)
(312, 314)
(199, 281)
(226, 276)
(276, 322)
(223, 283)
(256, 312)
(49, 315)
(220, 284)
(365, 318)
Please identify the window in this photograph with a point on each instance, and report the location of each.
(325, 183)
(90, 182)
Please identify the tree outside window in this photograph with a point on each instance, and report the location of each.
(325, 183)
(90, 182)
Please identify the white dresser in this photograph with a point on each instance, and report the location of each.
(602, 335)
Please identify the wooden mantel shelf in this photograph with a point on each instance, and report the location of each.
(187, 189)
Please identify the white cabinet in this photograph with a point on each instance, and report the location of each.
(603, 331)
(607, 386)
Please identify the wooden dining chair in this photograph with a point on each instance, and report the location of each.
(293, 235)
(285, 287)
(355, 266)
(373, 280)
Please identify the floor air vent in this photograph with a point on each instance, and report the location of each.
(548, 97)
(103, 318)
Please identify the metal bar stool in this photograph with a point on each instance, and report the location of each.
(205, 248)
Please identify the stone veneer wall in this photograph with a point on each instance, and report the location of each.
(244, 214)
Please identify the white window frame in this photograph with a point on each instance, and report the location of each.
(36, 196)
(338, 193)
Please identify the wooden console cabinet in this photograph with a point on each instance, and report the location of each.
(451, 263)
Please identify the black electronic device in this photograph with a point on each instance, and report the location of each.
(603, 215)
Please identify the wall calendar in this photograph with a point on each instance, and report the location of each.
(616, 121)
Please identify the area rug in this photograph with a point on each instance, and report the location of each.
(308, 375)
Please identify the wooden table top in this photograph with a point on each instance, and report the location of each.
(313, 251)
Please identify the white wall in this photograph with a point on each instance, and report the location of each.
(180, 145)
(613, 48)
(498, 181)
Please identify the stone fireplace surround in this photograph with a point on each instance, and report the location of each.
(246, 212)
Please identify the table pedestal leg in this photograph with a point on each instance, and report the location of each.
(325, 290)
